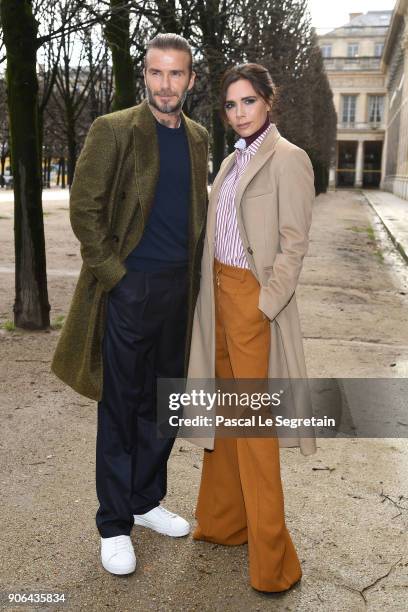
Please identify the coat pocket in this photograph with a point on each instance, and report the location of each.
(253, 196)
(132, 288)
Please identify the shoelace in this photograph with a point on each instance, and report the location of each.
(167, 512)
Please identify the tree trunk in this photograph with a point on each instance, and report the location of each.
(31, 307)
(212, 16)
(167, 15)
(72, 147)
(63, 183)
(49, 171)
(215, 63)
(218, 141)
(40, 131)
(2, 169)
(44, 172)
(117, 36)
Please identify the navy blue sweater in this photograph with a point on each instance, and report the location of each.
(164, 242)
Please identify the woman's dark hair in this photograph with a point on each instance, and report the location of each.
(257, 75)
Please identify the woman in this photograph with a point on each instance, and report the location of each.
(246, 322)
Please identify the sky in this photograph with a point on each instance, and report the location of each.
(330, 14)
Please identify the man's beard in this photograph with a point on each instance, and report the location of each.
(168, 107)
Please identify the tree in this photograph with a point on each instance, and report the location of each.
(118, 37)
(73, 85)
(4, 131)
(31, 307)
(21, 39)
(213, 18)
(324, 126)
(279, 35)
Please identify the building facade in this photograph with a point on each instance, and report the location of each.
(395, 67)
(352, 57)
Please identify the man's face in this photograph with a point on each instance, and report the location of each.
(167, 79)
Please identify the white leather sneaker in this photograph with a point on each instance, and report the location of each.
(118, 555)
(161, 520)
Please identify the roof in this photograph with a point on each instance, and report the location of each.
(371, 18)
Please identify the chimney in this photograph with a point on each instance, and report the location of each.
(352, 15)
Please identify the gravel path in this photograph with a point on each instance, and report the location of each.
(346, 506)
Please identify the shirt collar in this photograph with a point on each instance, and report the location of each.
(250, 139)
(241, 144)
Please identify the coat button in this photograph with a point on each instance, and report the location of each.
(250, 251)
(115, 238)
(123, 195)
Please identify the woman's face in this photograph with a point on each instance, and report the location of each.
(245, 109)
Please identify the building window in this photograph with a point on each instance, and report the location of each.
(378, 49)
(349, 109)
(375, 109)
(326, 50)
(352, 50)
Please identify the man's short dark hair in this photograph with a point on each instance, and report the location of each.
(170, 41)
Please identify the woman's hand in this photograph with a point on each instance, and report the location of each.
(296, 194)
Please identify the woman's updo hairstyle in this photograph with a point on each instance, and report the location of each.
(257, 75)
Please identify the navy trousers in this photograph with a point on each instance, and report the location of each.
(144, 340)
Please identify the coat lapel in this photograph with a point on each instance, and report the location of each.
(147, 166)
(265, 151)
(198, 163)
(212, 207)
(146, 150)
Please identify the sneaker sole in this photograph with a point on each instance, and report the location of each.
(121, 572)
(144, 523)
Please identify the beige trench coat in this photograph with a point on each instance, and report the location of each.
(274, 210)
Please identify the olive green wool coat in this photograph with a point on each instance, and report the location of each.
(111, 196)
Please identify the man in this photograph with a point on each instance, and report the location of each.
(138, 206)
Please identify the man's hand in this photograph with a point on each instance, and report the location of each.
(90, 193)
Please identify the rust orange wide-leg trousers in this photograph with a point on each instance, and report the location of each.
(241, 498)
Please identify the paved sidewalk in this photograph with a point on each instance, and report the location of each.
(393, 212)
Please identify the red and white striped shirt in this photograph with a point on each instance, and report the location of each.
(228, 245)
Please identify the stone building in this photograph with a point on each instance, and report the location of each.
(395, 67)
(352, 57)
